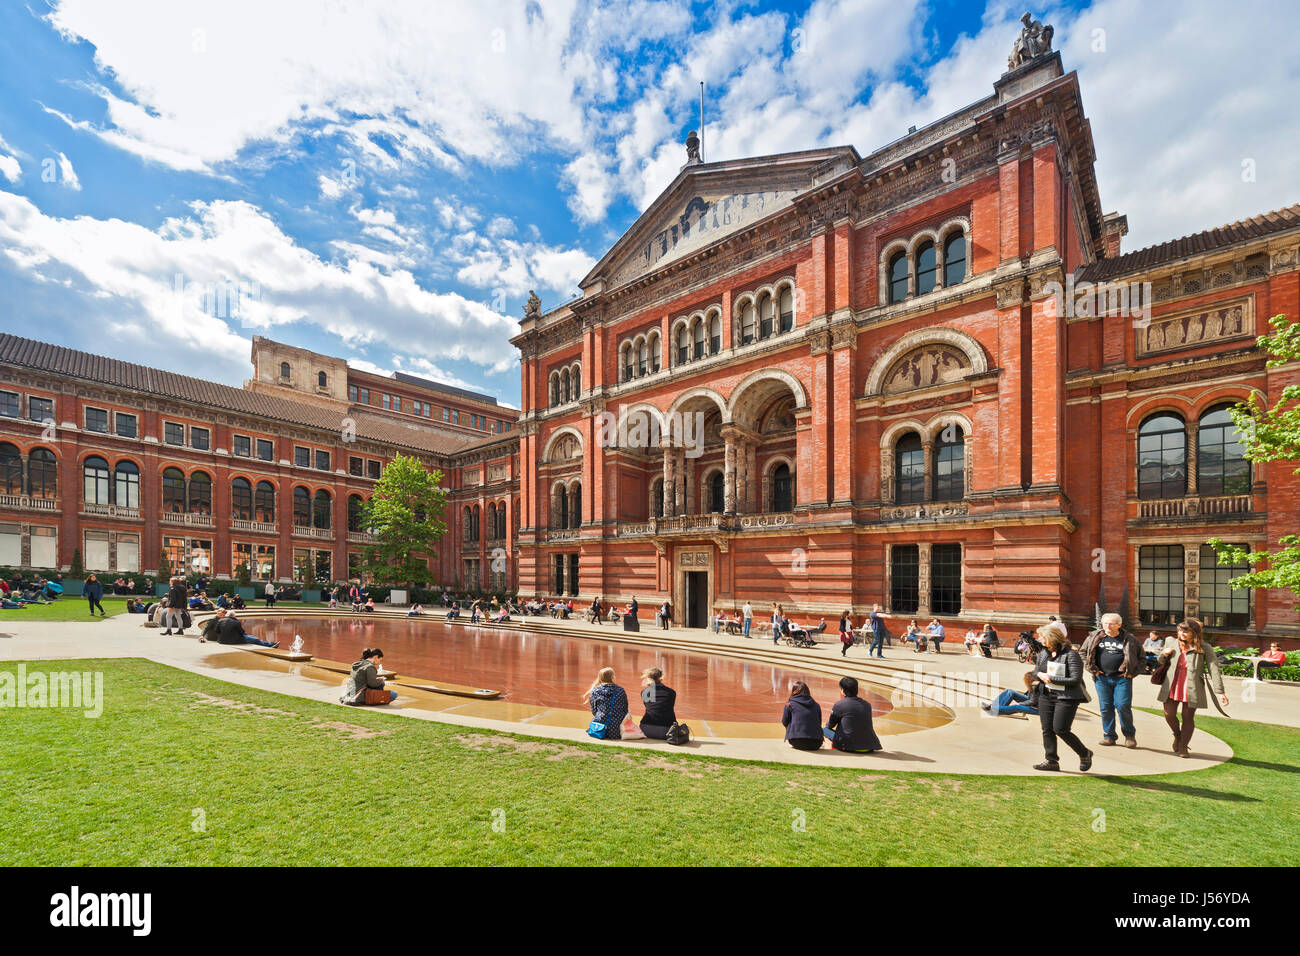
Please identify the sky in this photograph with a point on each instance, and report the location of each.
(385, 181)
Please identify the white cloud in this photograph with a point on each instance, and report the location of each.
(68, 175)
(329, 188)
(9, 168)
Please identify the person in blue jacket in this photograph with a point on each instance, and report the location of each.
(94, 591)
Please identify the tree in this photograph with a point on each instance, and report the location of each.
(243, 576)
(76, 570)
(1270, 434)
(405, 516)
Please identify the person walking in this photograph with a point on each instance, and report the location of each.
(178, 600)
(268, 594)
(1189, 667)
(1060, 671)
(1113, 655)
(94, 591)
(846, 634)
(595, 610)
(877, 633)
(747, 612)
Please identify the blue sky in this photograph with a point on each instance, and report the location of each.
(386, 181)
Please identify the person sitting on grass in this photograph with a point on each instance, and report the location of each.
(230, 630)
(134, 607)
(365, 687)
(1013, 701)
(849, 728)
(608, 704)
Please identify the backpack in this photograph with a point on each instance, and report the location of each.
(678, 734)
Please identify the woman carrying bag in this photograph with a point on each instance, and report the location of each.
(1060, 674)
(608, 704)
(1183, 680)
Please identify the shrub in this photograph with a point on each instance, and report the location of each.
(76, 570)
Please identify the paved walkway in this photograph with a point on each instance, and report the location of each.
(972, 743)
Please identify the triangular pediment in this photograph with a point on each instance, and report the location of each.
(708, 202)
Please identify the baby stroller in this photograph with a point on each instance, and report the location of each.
(1027, 648)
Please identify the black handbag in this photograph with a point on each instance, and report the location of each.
(679, 734)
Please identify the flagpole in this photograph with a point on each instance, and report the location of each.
(701, 121)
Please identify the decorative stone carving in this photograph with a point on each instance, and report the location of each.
(1283, 259)
(1191, 329)
(1010, 294)
(975, 359)
(1035, 39)
(929, 365)
(954, 509)
(566, 448)
(533, 307)
(693, 147)
(844, 334)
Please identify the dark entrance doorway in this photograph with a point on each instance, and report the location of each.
(697, 599)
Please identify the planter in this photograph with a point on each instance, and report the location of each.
(160, 590)
(72, 588)
(248, 594)
(311, 595)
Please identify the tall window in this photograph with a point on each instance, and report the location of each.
(320, 510)
(173, 491)
(264, 502)
(301, 508)
(126, 484)
(782, 488)
(241, 499)
(715, 334)
(555, 389)
(200, 494)
(909, 470)
(898, 277)
(564, 386)
(1160, 583)
(42, 474)
(560, 518)
(575, 506)
(284, 369)
(1221, 605)
(787, 309)
(657, 498)
(95, 475)
(717, 495)
(747, 314)
(1221, 468)
(945, 578)
(1162, 457)
(766, 316)
(954, 259)
(11, 470)
(926, 268)
(904, 578)
(355, 503)
(642, 359)
(627, 363)
(698, 327)
(321, 380)
(950, 465)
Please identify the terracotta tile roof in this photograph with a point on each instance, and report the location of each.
(1256, 227)
(58, 360)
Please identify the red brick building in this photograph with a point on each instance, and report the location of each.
(830, 380)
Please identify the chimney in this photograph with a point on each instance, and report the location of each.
(1113, 228)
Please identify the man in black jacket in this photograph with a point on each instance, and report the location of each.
(178, 600)
(1114, 656)
(849, 728)
(230, 630)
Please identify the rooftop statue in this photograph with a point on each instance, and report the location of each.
(533, 307)
(1034, 40)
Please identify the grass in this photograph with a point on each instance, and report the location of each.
(66, 608)
(185, 769)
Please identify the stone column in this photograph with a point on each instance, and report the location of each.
(679, 466)
(1192, 580)
(751, 477)
(927, 448)
(729, 473)
(1193, 479)
(887, 476)
(670, 482)
(923, 583)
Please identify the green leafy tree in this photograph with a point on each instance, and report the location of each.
(164, 570)
(405, 515)
(76, 569)
(1270, 433)
(243, 576)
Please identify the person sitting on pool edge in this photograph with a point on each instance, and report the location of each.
(849, 728)
(230, 630)
(660, 701)
(802, 719)
(365, 686)
(608, 704)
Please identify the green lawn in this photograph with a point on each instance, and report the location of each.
(185, 769)
(66, 608)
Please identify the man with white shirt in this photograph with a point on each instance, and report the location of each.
(747, 613)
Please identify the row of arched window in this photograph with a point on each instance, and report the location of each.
(931, 260)
(40, 478)
(947, 469)
(566, 384)
(779, 491)
(496, 522)
(1221, 466)
(566, 505)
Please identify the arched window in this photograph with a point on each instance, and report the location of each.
(625, 361)
(766, 316)
(42, 474)
(787, 309)
(200, 494)
(560, 517)
(715, 334)
(747, 314)
(173, 491)
(1221, 468)
(898, 277)
(11, 470)
(577, 381)
(264, 502)
(301, 507)
(321, 380)
(655, 349)
(564, 386)
(950, 464)
(321, 508)
(284, 369)
(1162, 457)
(909, 469)
(575, 505)
(126, 484)
(954, 259)
(698, 327)
(643, 359)
(555, 389)
(95, 481)
(717, 498)
(782, 488)
(355, 503)
(683, 344)
(926, 268)
(467, 522)
(657, 498)
(241, 499)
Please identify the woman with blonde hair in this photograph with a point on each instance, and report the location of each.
(608, 704)
(1186, 661)
(1059, 672)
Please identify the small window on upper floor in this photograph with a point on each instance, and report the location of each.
(927, 271)
(787, 309)
(284, 369)
(898, 277)
(954, 259)
(322, 380)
